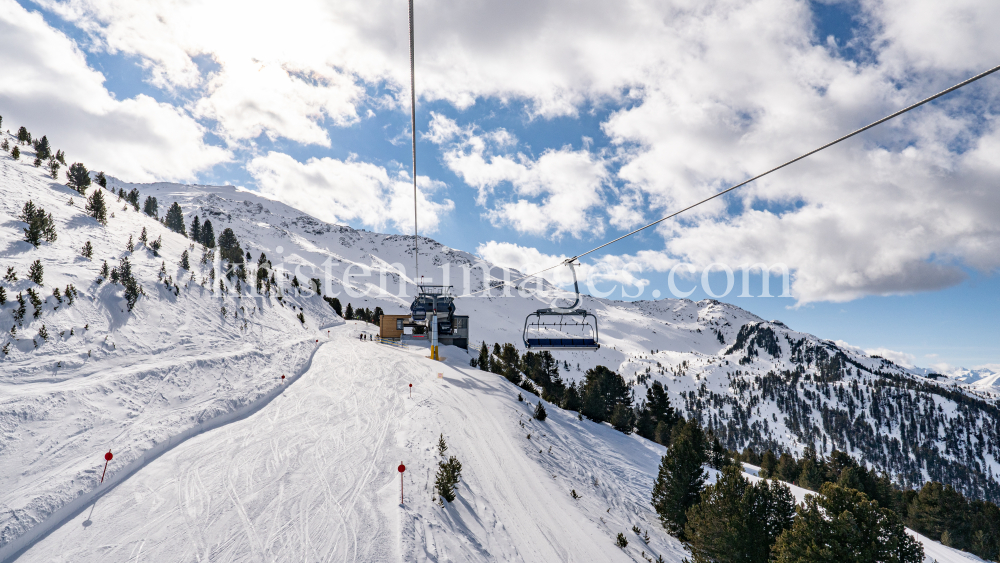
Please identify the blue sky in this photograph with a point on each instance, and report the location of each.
(512, 105)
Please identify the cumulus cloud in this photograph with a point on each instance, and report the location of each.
(552, 195)
(338, 191)
(48, 87)
(708, 94)
(529, 260)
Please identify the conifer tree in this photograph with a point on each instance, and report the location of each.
(4, 145)
(229, 247)
(149, 207)
(43, 151)
(23, 137)
(602, 390)
(15, 153)
(175, 219)
(680, 478)
(43, 332)
(207, 234)
(448, 476)
(349, 313)
(133, 198)
(54, 169)
(442, 445)
(737, 521)
(3, 295)
(842, 524)
(105, 273)
(540, 413)
(571, 398)
(11, 274)
(155, 245)
(36, 302)
(130, 246)
(333, 301)
(622, 418)
(20, 310)
(88, 250)
(132, 287)
(484, 358)
(101, 179)
(61, 157)
(36, 272)
(40, 225)
(196, 230)
(96, 208)
(144, 236)
(768, 463)
(937, 509)
(185, 263)
(78, 177)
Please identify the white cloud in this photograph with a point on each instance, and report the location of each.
(338, 191)
(899, 358)
(48, 87)
(555, 194)
(714, 92)
(529, 260)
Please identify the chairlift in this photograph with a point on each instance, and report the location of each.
(562, 328)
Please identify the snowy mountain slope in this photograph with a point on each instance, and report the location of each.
(312, 476)
(107, 378)
(752, 382)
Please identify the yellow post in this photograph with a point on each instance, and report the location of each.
(434, 352)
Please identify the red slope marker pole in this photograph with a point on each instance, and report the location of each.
(107, 458)
(411, 390)
(401, 469)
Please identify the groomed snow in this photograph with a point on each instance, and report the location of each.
(312, 477)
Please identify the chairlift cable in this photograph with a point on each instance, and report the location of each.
(759, 176)
(413, 133)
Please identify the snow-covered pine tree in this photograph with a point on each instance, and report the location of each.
(185, 262)
(20, 310)
(40, 225)
(36, 302)
(130, 246)
(101, 179)
(78, 177)
(229, 247)
(442, 445)
(175, 219)
(132, 287)
(144, 236)
(96, 207)
(196, 229)
(43, 151)
(133, 198)
(36, 272)
(150, 207)
(207, 234)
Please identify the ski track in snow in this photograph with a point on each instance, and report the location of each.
(312, 477)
